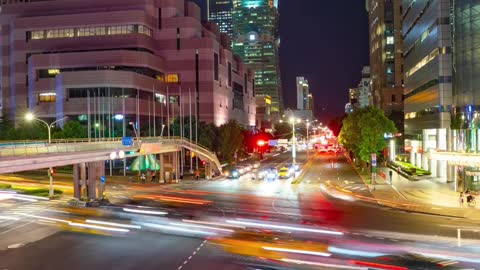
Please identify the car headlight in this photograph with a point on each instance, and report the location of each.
(235, 174)
(227, 173)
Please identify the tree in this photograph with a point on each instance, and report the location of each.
(73, 129)
(207, 135)
(230, 140)
(362, 132)
(283, 130)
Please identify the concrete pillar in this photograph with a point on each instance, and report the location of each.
(161, 176)
(77, 188)
(412, 157)
(95, 171)
(175, 167)
(450, 173)
(442, 169)
(433, 167)
(426, 162)
(418, 160)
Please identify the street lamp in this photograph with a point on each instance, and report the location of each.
(29, 117)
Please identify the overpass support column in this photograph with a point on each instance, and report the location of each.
(95, 171)
(79, 179)
(161, 175)
(175, 167)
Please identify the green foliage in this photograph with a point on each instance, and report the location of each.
(5, 186)
(73, 129)
(230, 140)
(456, 122)
(362, 132)
(207, 135)
(283, 130)
(411, 169)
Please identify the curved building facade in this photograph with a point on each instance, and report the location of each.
(108, 63)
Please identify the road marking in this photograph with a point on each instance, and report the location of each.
(193, 254)
(18, 227)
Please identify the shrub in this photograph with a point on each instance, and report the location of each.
(5, 186)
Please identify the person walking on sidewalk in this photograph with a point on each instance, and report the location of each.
(154, 175)
(460, 199)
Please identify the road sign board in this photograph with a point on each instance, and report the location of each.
(127, 141)
(374, 159)
(102, 179)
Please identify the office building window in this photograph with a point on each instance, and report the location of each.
(90, 31)
(47, 97)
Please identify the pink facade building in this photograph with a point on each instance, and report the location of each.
(110, 61)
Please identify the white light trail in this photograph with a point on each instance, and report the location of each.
(90, 226)
(298, 251)
(149, 212)
(281, 227)
(113, 224)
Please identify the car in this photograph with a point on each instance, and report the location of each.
(233, 173)
(294, 167)
(256, 165)
(270, 174)
(284, 172)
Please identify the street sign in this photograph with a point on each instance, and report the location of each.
(127, 141)
(374, 160)
(102, 179)
(272, 142)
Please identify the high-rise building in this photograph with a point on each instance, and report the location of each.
(256, 41)
(427, 51)
(303, 92)
(146, 62)
(385, 37)
(364, 89)
(220, 12)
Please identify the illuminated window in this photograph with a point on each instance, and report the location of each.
(422, 62)
(172, 78)
(53, 71)
(91, 31)
(390, 40)
(47, 97)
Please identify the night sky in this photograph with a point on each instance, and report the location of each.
(325, 41)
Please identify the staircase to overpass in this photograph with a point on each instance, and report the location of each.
(26, 156)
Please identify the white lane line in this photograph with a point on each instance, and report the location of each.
(193, 254)
(18, 227)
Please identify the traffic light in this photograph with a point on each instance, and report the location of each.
(51, 172)
(204, 163)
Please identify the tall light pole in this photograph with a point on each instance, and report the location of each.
(31, 117)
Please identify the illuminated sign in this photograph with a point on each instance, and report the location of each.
(172, 78)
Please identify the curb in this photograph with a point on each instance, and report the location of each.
(389, 204)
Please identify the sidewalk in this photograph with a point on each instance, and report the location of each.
(424, 196)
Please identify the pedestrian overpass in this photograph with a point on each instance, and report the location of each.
(84, 154)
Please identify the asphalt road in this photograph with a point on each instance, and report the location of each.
(281, 201)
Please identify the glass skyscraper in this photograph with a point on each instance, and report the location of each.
(220, 11)
(256, 41)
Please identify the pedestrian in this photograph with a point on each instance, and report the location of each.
(154, 175)
(142, 177)
(197, 174)
(460, 200)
